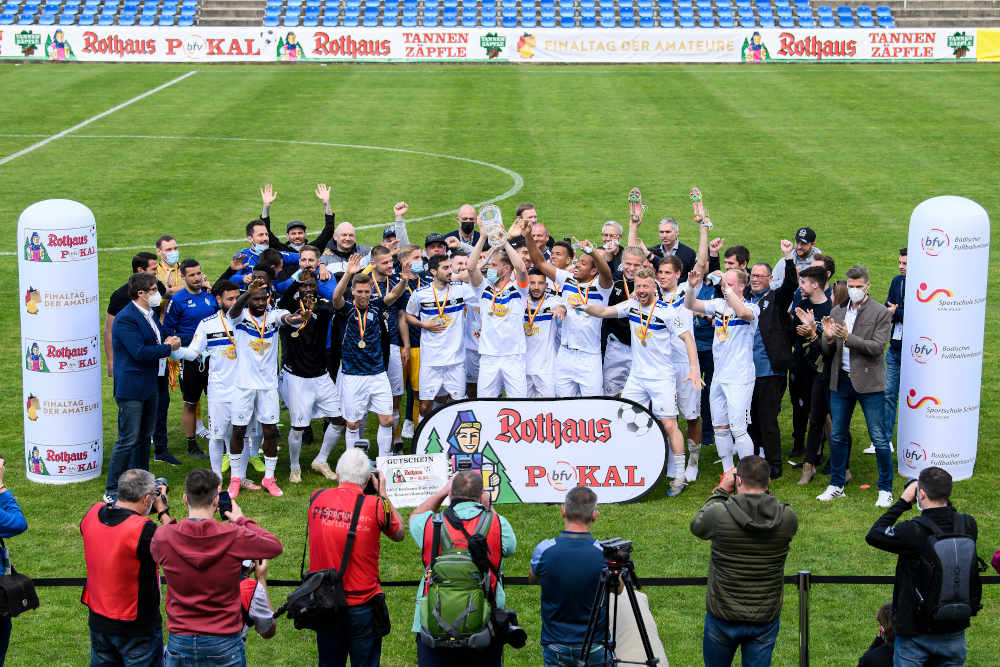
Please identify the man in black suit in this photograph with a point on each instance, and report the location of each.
(670, 245)
(140, 352)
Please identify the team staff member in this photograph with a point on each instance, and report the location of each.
(142, 262)
(12, 522)
(439, 309)
(364, 352)
(329, 519)
(541, 315)
(502, 300)
(304, 385)
(257, 242)
(122, 591)
(670, 246)
(168, 275)
(295, 231)
(579, 371)
(185, 310)
(167, 271)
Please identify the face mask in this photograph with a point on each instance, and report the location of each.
(172, 257)
(155, 299)
(856, 294)
(467, 227)
(259, 247)
(492, 276)
(610, 245)
(417, 267)
(715, 278)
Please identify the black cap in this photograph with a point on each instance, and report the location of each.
(293, 224)
(434, 238)
(806, 235)
(389, 231)
(518, 242)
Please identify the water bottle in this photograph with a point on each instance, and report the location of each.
(496, 235)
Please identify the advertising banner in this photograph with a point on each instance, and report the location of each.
(60, 342)
(942, 356)
(536, 450)
(988, 48)
(523, 45)
(411, 479)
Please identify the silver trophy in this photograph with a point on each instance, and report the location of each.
(496, 235)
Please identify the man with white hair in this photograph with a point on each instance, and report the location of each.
(611, 237)
(342, 247)
(330, 518)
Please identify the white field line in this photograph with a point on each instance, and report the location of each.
(514, 189)
(60, 135)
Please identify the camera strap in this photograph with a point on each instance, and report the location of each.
(348, 545)
(452, 517)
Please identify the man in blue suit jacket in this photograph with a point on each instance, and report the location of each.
(140, 352)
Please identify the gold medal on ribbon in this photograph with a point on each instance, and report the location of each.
(259, 345)
(642, 331)
(229, 352)
(441, 305)
(362, 326)
(722, 330)
(529, 327)
(499, 310)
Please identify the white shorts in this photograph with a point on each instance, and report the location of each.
(259, 403)
(220, 419)
(471, 366)
(502, 373)
(308, 398)
(578, 373)
(617, 364)
(658, 394)
(542, 385)
(688, 398)
(730, 405)
(363, 393)
(395, 371)
(434, 379)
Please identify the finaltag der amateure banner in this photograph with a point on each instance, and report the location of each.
(60, 342)
(536, 450)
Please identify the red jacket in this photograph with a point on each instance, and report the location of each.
(201, 561)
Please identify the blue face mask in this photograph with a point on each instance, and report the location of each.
(172, 257)
(417, 267)
(492, 276)
(259, 247)
(714, 278)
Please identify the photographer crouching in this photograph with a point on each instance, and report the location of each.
(357, 505)
(123, 589)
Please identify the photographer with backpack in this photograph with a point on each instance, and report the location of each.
(931, 612)
(460, 602)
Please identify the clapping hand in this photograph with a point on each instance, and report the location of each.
(829, 327)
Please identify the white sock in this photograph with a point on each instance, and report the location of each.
(237, 465)
(198, 426)
(744, 445)
(384, 440)
(724, 444)
(677, 466)
(691, 445)
(331, 435)
(351, 437)
(670, 461)
(216, 448)
(270, 464)
(395, 423)
(256, 438)
(294, 446)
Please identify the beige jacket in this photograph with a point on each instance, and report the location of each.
(867, 345)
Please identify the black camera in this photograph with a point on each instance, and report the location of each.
(370, 488)
(617, 550)
(160, 487)
(225, 504)
(505, 628)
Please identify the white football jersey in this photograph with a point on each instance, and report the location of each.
(540, 330)
(215, 338)
(257, 349)
(654, 329)
(427, 303)
(581, 331)
(732, 346)
(501, 314)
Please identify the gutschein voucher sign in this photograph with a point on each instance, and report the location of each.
(534, 451)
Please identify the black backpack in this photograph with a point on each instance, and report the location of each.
(947, 587)
(321, 601)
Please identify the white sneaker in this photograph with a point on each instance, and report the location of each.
(407, 430)
(884, 499)
(295, 475)
(201, 430)
(870, 450)
(831, 493)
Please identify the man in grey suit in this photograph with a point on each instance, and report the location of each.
(855, 335)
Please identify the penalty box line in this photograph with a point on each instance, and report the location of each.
(59, 135)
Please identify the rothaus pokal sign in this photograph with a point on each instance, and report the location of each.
(536, 450)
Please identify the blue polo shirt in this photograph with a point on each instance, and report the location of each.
(185, 311)
(569, 569)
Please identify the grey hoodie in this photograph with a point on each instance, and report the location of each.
(750, 534)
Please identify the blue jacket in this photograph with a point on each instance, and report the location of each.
(12, 521)
(897, 291)
(137, 355)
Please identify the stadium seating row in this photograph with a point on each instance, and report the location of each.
(94, 12)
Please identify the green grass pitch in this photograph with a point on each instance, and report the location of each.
(847, 150)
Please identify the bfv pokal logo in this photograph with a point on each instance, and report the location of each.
(934, 242)
(923, 350)
(914, 456)
(68, 356)
(925, 294)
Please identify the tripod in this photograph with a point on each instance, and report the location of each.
(613, 571)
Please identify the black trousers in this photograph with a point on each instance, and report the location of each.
(764, 408)
(707, 364)
(800, 391)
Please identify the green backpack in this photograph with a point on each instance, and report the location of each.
(455, 610)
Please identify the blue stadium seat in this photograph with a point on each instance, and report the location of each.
(686, 22)
(863, 10)
(370, 21)
(588, 22)
(47, 19)
(626, 21)
(846, 21)
(886, 22)
(509, 22)
(270, 21)
(146, 20)
(390, 21)
(685, 12)
(449, 21)
(548, 22)
(310, 21)
(727, 21)
(607, 21)
(311, 13)
(528, 21)
(706, 21)
(330, 20)
(66, 19)
(647, 22)
(747, 22)
(165, 20)
(667, 21)
(807, 22)
(827, 22)
(786, 21)
(724, 12)
(185, 21)
(290, 20)
(824, 10)
(883, 10)
(844, 10)
(866, 21)
(350, 22)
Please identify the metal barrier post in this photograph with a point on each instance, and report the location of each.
(803, 580)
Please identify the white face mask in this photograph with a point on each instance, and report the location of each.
(856, 294)
(155, 299)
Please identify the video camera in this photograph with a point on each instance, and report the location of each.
(617, 550)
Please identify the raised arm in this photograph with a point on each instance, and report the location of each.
(539, 262)
(255, 286)
(353, 266)
(701, 256)
(735, 301)
(691, 300)
(267, 197)
(395, 293)
(606, 279)
(475, 277)
(323, 193)
(605, 312)
(399, 224)
(516, 261)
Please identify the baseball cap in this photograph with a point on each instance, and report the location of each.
(518, 242)
(434, 238)
(389, 231)
(293, 224)
(806, 235)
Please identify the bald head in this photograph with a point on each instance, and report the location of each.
(466, 218)
(343, 235)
